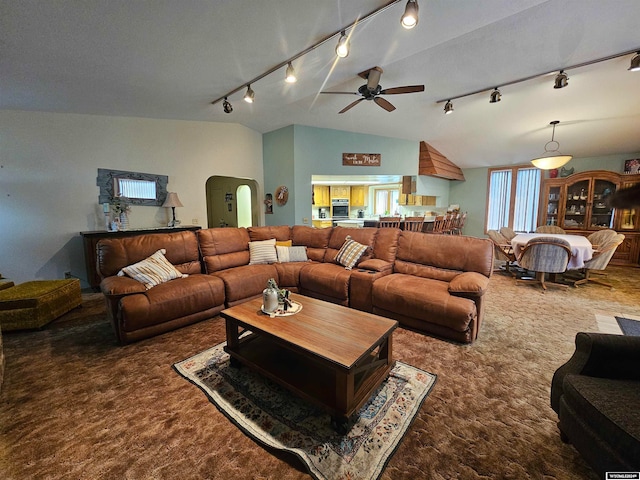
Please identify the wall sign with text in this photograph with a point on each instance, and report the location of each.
(362, 159)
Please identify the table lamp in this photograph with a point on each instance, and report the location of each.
(173, 201)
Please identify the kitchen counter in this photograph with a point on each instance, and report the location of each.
(351, 223)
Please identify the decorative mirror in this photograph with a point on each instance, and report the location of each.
(139, 188)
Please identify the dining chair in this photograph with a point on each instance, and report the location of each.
(550, 229)
(545, 255)
(459, 224)
(448, 223)
(601, 258)
(438, 225)
(503, 250)
(413, 224)
(601, 236)
(389, 222)
(508, 232)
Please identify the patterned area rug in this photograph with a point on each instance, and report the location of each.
(273, 416)
(629, 326)
(618, 324)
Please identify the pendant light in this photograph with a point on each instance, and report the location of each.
(342, 49)
(551, 158)
(249, 96)
(410, 17)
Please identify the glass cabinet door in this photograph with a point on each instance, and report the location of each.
(629, 217)
(601, 213)
(553, 204)
(575, 213)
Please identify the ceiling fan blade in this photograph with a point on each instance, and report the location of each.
(344, 93)
(407, 89)
(351, 105)
(373, 78)
(384, 104)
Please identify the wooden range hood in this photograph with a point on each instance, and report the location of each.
(434, 164)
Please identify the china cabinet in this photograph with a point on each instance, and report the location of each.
(579, 204)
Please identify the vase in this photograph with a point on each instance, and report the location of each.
(270, 300)
(124, 221)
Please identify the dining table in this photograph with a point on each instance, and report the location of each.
(581, 248)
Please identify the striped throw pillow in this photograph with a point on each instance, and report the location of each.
(152, 271)
(262, 251)
(291, 254)
(350, 253)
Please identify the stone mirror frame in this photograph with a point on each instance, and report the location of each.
(107, 178)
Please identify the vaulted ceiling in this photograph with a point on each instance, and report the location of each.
(168, 59)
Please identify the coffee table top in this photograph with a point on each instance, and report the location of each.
(339, 334)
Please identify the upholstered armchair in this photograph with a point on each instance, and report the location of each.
(596, 395)
(545, 255)
(601, 258)
(503, 250)
(508, 233)
(600, 237)
(550, 229)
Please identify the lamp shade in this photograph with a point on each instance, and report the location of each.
(549, 163)
(172, 200)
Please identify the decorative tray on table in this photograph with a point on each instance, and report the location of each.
(281, 312)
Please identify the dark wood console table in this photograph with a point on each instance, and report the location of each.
(90, 241)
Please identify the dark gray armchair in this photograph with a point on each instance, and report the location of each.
(596, 395)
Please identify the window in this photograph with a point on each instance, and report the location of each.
(386, 201)
(513, 199)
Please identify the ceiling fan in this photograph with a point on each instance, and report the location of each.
(371, 90)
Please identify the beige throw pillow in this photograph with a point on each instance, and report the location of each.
(153, 270)
(262, 251)
(350, 253)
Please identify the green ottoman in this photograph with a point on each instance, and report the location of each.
(34, 304)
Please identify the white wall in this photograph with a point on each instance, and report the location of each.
(48, 169)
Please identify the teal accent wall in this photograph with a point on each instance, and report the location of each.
(318, 151)
(279, 167)
(472, 193)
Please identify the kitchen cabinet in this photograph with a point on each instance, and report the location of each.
(322, 223)
(418, 200)
(359, 196)
(340, 191)
(578, 204)
(321, 196)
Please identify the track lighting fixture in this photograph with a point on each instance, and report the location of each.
(249, 96)
(562, 80)
(551, 159)
(495, 96)
(410, 17)
(635, 63)
(448, 107)
(342, 49)
(226, 106)
(290, 75)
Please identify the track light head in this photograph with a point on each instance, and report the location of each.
(448, 107)
(342, 49)
(249, 96)
(562, 80)
(635, 63)
(495, 96)
(410, 17)
(290, 75)
(226, 106)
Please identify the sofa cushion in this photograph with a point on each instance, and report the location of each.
(606, 405)
(406, 296)
(152, 271)
(262, 251)
(350, 253)
(224, 248)
(315, 239)
(326, 281)
(364, 236)
(291, 254)
(280, 233)
(244, 282)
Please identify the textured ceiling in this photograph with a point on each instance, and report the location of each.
(171, 58)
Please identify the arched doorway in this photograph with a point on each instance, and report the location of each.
(232, 202)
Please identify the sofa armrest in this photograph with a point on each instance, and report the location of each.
(120, 286)
(376, 265)
(599, 355)
(469, 284)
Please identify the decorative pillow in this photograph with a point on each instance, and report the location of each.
(283, 243)
(152, 271)
(291, 254)
(350, 253)
(262, 251)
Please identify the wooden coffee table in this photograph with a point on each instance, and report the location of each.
(328, 354)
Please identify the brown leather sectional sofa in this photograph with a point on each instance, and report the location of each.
(431, 283)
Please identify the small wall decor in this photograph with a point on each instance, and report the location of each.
(282, 195)
(632, 166)
(362, 159)
(268, 202)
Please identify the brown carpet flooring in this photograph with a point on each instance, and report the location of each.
(75, 405)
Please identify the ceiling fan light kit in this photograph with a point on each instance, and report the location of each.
(410, 17)
(551, 158)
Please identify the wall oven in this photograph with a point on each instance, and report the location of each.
(339, 208)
